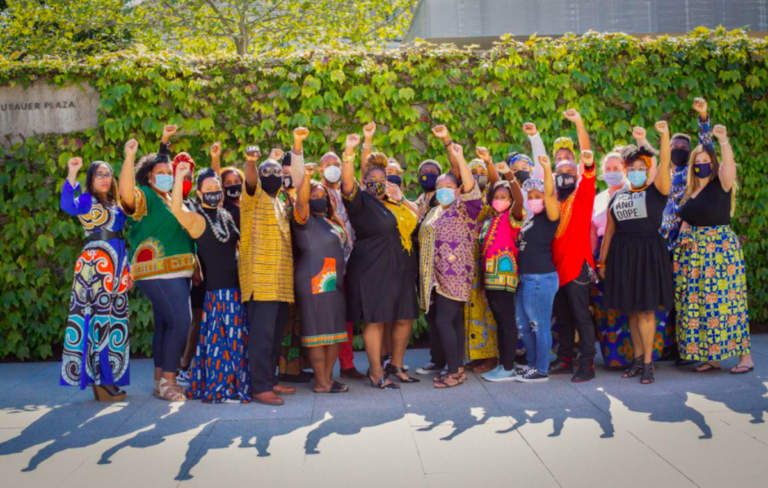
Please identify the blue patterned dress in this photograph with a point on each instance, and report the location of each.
(96, 348)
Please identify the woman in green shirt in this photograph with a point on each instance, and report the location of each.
(163, 260)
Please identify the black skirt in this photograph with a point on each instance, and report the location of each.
(638, 274)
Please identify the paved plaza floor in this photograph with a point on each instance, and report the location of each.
(687, 430)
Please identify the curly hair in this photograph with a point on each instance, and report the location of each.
(376, 162)
(631, 153)
(146, 164)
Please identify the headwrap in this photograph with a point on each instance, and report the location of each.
(183, 157)
(477, 162)
(432, 162)
(516, 156)
(563, 143)
(533, 184)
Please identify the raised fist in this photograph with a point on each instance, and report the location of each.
(529, 128)
(440, 131)
(700, 106)
(545, 162)
(587, 157)
(455, 150)
(502, 168)
(573, 115)
(300, 133)
(310, 169)
(720, 132)
(182, 170)
(662, 127)
(169, 131)
(369, 130)
(639, 133)
(252, 153)
(74, 165)
(352, 141)
(483, 154)
(276, 154)
(131, 147)
(216, 150)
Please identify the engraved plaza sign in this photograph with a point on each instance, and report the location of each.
(42, 108)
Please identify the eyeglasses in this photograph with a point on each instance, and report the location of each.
(102, 176)
(271, 171)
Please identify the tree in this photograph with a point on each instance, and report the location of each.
(274, 26)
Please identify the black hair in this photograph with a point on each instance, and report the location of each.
(90, 175)
(450, 176)
(286, 161)
(146, 164)
(204, 174)
(680, 135)
(631, 153)
(496, 187)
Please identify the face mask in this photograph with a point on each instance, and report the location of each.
(213, 198)
(233, 191)
(638, 178)
(446, 195)
(564, 181)
(702, 170)
(613, 178)
(522, 175)
(164, 182)
(680, 157)
(271, 184)
(375, 188)
(428, 181)
(186, 188)
(287, 182)
(318, 206)
(396, 179)
(332, 174)
(536, 205)
(501, 206)
(482, 180)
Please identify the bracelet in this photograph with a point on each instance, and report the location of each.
(367, 145)
(446, 144)
(345, 158)
(726, 142)
(600, 266)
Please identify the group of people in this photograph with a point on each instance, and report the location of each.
(495, 254)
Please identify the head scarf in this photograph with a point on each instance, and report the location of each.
(516, 156)
(432, 162)
(563, 143)
(477, 163)
(533, 184)
(183, 157)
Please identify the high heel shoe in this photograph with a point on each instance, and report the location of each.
(648, 370)
(382, 383)
(393, 370)
(101, 394)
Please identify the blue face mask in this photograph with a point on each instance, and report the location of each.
(446, 195)
(702, 170)
(164, 182)
(638, 178)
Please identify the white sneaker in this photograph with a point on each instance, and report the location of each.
(499, 374)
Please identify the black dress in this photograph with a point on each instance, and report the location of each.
(381, 273)
(638, 274)
(319, 281)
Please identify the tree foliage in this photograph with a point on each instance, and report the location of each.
(616, 81)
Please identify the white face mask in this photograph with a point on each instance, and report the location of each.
(613, 178)
(332, 174)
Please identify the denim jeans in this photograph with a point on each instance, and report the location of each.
(533, 310)
(172, 314)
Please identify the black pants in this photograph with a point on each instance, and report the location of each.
(436, 353)
(503, 307)
(172, 316)
(571, 310)
(449, 320)
(266, 325)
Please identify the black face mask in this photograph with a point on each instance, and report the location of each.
(565, 184)
(680, 157)
(271, 184)
(396, 179)
(481, 180)
(522, 175)
(233, 191)
(213, 198)
(318, 206)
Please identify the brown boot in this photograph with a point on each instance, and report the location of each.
(352, 374)
(268, 398)
(284, 390)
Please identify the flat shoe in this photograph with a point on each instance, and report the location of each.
(742, 369)
(706, 368)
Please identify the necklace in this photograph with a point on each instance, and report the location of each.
(220, 226)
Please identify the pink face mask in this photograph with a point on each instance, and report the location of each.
(501, 206)
(536, 206)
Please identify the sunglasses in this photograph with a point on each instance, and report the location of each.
(271, 171)
(102, 176)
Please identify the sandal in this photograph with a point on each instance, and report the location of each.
(635, 369)
(382, 383)
(449, 381)
(706, 368)
(171, 391)
(395, 371)
(336, 387)
(648, 370)
(742, 369)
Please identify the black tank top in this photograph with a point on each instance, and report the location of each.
(711, 207)
(219, 258)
